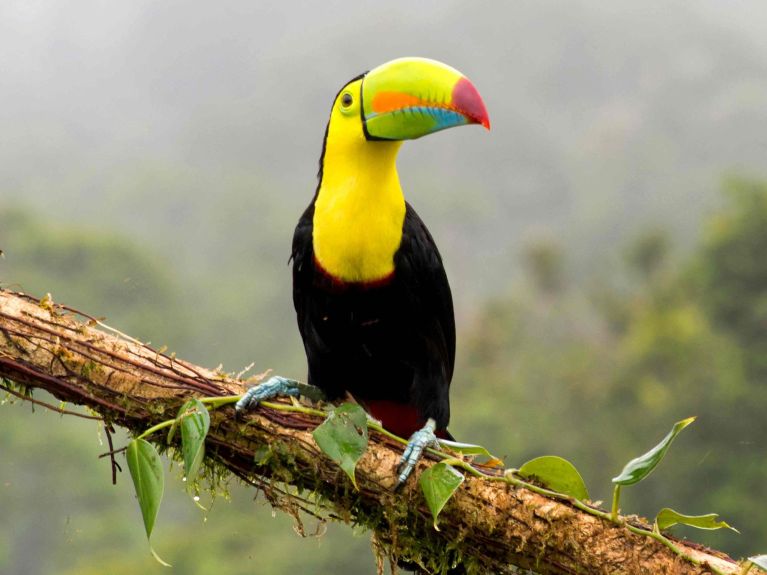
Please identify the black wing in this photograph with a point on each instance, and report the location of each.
(421, 276)
(419, 268)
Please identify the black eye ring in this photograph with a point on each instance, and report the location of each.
(346, 100)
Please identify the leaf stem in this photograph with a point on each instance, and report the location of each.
(379, 428)
(157, 427)
(216, 402)
(616, 502)
(293, 408)
(668, 543)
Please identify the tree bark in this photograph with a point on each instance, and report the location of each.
(487, 527)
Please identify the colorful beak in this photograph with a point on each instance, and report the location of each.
(411, 97)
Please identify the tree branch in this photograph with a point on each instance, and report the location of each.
(487, 527)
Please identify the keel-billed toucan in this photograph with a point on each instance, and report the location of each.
(372, 299)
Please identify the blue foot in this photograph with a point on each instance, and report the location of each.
(269, 389)
(419, 441)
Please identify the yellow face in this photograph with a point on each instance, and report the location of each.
(360, 209)
(346, 115)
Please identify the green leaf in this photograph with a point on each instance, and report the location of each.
(668, 517)
(760, 561)
(343, 436)
(194, 421)
(639, 468)
(556, 474)
(438, 484)
(146, 471)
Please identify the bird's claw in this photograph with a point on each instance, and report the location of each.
(419, 441)
(272, 387)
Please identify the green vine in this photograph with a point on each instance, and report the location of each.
(342, 438)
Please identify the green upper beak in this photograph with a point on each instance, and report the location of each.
(411, 97)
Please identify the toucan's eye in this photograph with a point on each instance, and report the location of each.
(346, 100)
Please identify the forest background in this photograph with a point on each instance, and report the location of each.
(605, 241)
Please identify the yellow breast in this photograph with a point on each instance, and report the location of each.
(355, 236)
(359, 210)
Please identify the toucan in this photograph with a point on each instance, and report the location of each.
(371, 296)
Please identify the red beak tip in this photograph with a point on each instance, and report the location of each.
(467, 99)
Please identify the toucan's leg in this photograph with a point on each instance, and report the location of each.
(419, 441)
(274, 386)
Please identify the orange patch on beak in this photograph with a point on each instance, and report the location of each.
(389, 101)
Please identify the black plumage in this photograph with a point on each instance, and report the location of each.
(390, 343)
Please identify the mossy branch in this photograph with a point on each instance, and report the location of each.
(487, 527)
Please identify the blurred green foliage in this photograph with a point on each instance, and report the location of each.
(92, 271)
(592, 370)
(597, 371)
(734, 284)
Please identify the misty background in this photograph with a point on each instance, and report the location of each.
(155, 156)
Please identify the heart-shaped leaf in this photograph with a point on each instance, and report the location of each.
(438, 484)
(145, 468)
(640, 467)
(194, 420)
(343, 436)
(146, 471)
(760, 561)
(667, 517)
(556, 474)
